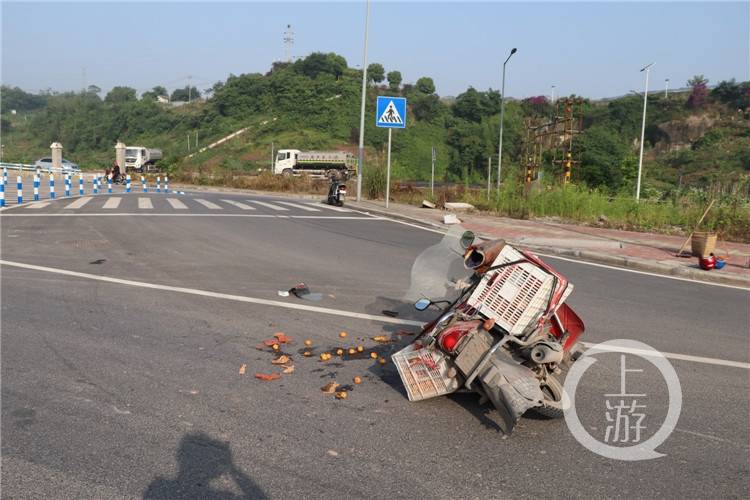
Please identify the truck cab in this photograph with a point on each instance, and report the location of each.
(286, 161)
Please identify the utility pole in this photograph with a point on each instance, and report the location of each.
(647, 69)
(502, 115)
(196, 139)
(189, 88)
(432, 175)
(272, 158)
(288, 43)
(666, 88)
(361, 162)
(553, 95)
(188, 136)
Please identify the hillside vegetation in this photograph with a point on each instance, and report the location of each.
(697, 143)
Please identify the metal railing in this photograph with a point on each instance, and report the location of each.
(22, 167)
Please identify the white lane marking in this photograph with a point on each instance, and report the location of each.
(646, 273)
(331, 207)
(38, 204)
(208, 204)
(574, 261)
(238, 204)
(216, 295)
(325, 310)
(145, 203)
(79, 202)
(112, 203)
(176, 204)
(140, 214)
(307, 208)
(672, 355)
(268, 205)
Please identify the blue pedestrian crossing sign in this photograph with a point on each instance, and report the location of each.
(391, 112)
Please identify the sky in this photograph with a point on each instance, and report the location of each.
(589, 49)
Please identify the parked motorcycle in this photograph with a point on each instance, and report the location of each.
(509, 336)
(337, 191)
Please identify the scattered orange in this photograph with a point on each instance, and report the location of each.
(307, 354)
(343, 335)
(341, 395)
(374, 355)
(360, 348)
(381, 361)
(275, 347)
(357, 380)
(352, 350)
(308, 342)
(340, 352)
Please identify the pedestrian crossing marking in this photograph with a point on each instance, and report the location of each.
(112, 203)
(239, 204)
(269, 205)
(80, 202)
(145, 203)
(208, 204)
(337, 209)
(176, 204)
(307, 208)
(39, 205)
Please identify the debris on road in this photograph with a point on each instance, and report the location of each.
(242, 369)
(288, 369)
(267, 376)
(427, 204)
(343, 335)
(330, 387)
(342, 395)
(451, 219)
(302, 291)
(308, 342)
(392, 314)
(325, 356)
(458, 206)
(382, 339)
(333, 453)
(283, 293)
(357, 380)
(307, 354)
(281, 360)
(282, 338)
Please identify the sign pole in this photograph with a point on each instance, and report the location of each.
(489, 175)
(388, 171)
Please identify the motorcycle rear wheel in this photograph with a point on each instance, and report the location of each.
(552, 404)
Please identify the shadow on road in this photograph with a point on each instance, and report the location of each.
(202, 460)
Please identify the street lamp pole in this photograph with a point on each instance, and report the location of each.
(502, 116)
(647, 69)
(361, 162)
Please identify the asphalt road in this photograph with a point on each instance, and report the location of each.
(123, 390)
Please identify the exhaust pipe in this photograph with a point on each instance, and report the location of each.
(545, 353)
(480, 257)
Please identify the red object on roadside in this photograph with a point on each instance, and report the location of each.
(707, 263)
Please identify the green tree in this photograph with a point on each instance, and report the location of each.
(120, 95)
(319, 63)
(425, 85)
(185, 94)
(94, 90)
(604, 155)
(155, 92)
(394, 80)
(376, 72)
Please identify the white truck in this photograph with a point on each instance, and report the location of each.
(141, 159)
(314, 163)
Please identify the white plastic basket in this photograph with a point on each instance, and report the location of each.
(424, 373)
(515, 296)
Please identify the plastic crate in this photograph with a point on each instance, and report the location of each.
(424, 373)
(515, 296)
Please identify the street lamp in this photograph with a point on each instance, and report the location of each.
(502, 115)
(361, 161)
(553, 94)
(666, 88)
(643, 132)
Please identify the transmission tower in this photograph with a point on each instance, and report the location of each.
(288, 43)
